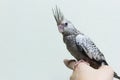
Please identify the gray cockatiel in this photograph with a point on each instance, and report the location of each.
(79, 45)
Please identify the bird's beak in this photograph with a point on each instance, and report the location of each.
(61, 28)
(58, 15)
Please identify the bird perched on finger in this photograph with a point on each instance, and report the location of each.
(78, 44)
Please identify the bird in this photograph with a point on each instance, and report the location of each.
(78, 44)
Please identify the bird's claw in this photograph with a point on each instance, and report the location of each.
(80, 61)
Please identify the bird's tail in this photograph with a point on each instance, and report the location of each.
(116, 76)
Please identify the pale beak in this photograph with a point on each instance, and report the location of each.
(61, 28)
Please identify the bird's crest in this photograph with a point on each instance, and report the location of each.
(58, 15)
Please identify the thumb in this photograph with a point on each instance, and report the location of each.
(69, 63)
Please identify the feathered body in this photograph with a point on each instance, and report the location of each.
(79, 45)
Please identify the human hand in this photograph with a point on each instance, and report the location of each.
(82, 71)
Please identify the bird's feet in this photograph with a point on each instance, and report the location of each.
(72, 64)
(80, 61)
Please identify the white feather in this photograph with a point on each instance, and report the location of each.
(89, 47)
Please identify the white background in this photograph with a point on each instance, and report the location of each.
(31, 48)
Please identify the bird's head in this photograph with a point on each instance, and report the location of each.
(64, 26)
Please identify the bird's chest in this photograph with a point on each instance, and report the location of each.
(71, 46)
(70, 42)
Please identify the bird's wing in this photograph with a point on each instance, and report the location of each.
(90, 49)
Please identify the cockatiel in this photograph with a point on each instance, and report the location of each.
(79, 45)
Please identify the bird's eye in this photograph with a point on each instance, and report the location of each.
(66, 24)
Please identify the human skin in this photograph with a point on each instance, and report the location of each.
(82, 71)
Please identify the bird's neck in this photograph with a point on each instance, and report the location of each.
(71, 33)
(67, 37)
